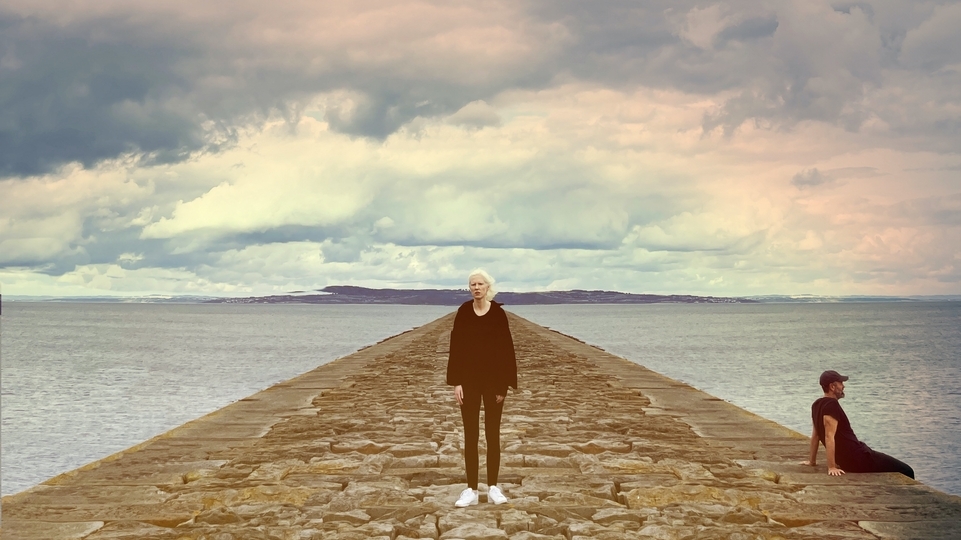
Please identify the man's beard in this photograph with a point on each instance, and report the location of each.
(840, 394)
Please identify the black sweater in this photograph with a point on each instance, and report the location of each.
(482, 350)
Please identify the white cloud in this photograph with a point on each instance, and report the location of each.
(105, 279)
(26, 241)
(270, 187)
(42, 218)
(476, 113)
(736, 148)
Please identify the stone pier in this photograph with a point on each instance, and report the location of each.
(369, 446)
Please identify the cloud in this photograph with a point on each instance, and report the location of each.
(88, 92)
(942, 211)
(934, 44)
(749, 29)
(550, 185)
(737, 147)
(43, 219)
(95, 81)
(319, 183)
(810, 178)
(163, 81)
(476, 113)
(702, 25)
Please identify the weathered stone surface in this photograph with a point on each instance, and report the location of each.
(536, 536)
(512, 521)
(839, 530)
(456, 519)
(659, 497)
(218, 516)
(607, 516)
(579, 500)
(935, 529)
(364, 446)
(600, 446)
(354, 517)
(546, 485)
(543, 449)
(370, 446)
(584, 528)
(413, 449)
(474, 531)
(13, 528)
(419, 527)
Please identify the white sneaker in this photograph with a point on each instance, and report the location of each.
(468, 497)
(495, 496)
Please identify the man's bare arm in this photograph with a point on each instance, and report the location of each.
(830, 429)
(813, 460)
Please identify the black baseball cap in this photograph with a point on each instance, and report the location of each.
(831, 376)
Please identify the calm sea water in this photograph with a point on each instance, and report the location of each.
(904, 360)
(82, 381)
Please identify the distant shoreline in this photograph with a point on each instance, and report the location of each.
(342, 294)
(351, 295)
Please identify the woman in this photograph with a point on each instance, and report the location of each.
(480, 368)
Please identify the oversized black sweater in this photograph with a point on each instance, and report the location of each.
(482, 350)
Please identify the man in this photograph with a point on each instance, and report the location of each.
(832, 428)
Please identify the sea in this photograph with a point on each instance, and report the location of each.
(81, 381)
(903, 397)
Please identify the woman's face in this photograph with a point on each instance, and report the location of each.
(478, 287)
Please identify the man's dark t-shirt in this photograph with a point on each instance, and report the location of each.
(850, 453)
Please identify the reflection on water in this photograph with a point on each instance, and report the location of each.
(904, 360)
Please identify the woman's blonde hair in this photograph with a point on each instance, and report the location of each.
(487, 279)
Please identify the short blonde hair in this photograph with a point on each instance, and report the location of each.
(487, 279)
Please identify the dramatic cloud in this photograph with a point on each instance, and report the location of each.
(99, 79)
(740, 147)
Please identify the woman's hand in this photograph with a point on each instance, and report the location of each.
(459, 394)
(500, 399)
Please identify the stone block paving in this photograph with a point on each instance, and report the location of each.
(370, 446)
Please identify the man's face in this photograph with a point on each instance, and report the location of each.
(838, 388)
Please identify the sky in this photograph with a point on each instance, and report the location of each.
(245, 148)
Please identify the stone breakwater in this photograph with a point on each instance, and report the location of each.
(369, 446)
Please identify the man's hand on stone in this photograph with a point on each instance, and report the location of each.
(834, 471)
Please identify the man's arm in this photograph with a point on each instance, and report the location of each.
(830, 429)
(813, 460)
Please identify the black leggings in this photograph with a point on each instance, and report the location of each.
(470, 412)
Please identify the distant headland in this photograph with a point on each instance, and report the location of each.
(346, 294)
